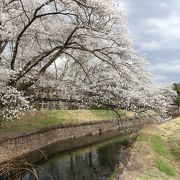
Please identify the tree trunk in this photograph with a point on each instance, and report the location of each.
(0, 121)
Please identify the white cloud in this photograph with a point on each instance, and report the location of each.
(166, 72)
(168, 29)
(123, 6)
(153, 45)
(167, 67)
(155, 27)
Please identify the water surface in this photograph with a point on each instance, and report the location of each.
(95, 162)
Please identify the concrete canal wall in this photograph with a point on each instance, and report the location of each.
(63, 137)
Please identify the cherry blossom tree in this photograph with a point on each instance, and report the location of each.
(35, 34)
(127, 86)
(12, 102)
(91, 36)
(46, 31)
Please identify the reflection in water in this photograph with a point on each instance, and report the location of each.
(92, 163)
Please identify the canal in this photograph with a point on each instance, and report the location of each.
(96, 162)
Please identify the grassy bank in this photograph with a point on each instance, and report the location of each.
(41, 119)
(156, 153)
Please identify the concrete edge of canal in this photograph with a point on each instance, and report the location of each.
(38, 144)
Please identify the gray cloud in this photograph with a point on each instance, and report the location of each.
(155, 28)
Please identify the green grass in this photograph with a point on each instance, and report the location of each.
(159, 145)
(45, 118)
(144, 138)
(176, 150)
(113, 175)
(150, 175)
(165, 167)
(156, 153)
(160, 148)
(106, 113)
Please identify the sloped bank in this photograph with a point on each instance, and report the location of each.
(155, 154)
(34, 145)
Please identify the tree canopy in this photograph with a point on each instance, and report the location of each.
(86, 42)
(177, 89)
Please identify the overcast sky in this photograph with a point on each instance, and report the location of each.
(154, 25)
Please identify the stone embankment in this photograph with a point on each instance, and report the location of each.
(35, 144)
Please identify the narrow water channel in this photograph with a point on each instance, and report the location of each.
(95, 162)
